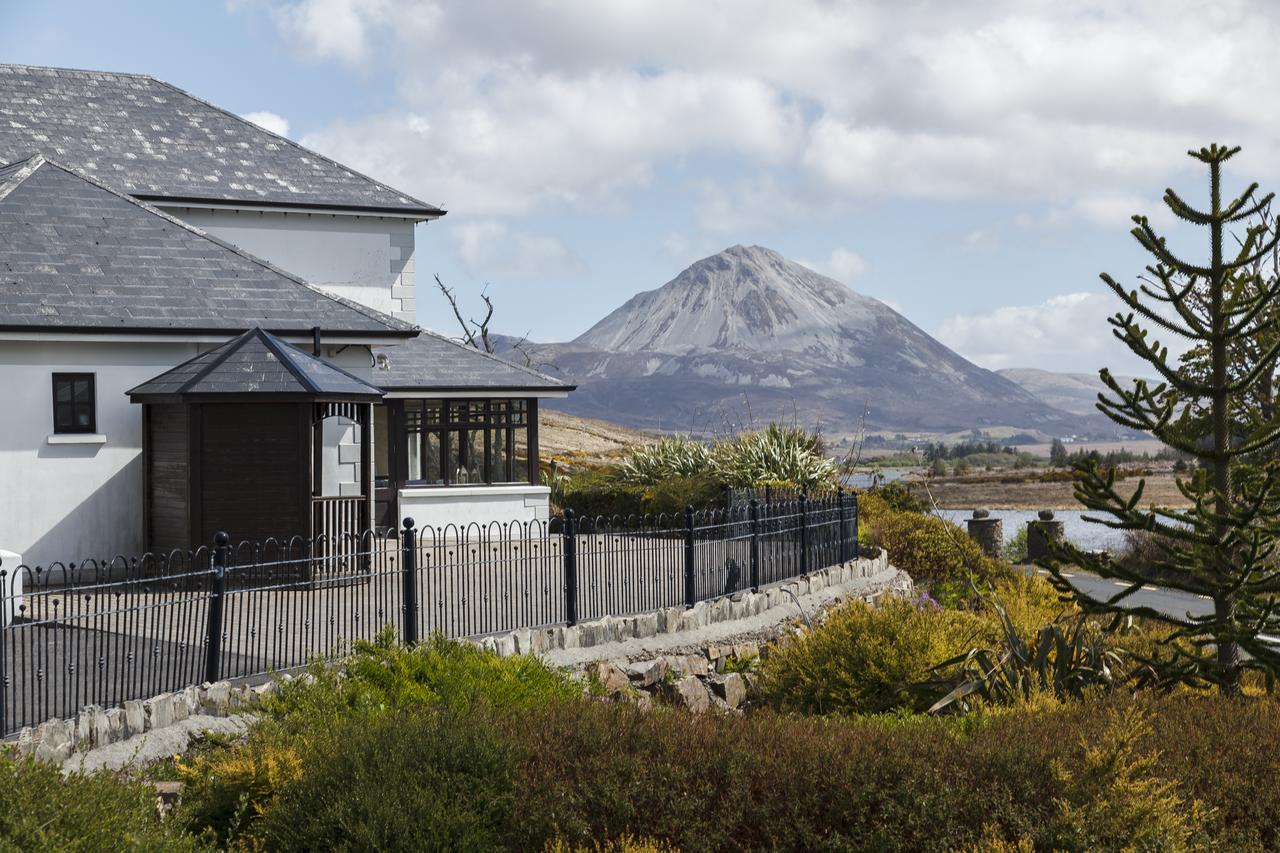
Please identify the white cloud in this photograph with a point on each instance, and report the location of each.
(489, 247)
(1066, 333)
(1075, 106)
(843, 265)
(277, 124)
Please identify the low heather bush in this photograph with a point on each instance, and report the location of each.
(935, 552)
(40, 809)
(863, 659)
(1168, 771)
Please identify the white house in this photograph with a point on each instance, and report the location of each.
(141, 227)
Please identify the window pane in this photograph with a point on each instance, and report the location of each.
(498, 463)
(62, 391)
(520, 463)
(431, 468)
(62, 416)
(381, 444)
(80, 389)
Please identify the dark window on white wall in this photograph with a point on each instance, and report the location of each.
(74, 406)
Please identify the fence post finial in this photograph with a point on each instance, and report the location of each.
(213, 627)
(755, 545)
(409, 573)
(690, 595)
(570, 557)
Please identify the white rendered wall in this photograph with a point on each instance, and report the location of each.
(483, 505)
(367, 259)
(84, 500)
(69, 502)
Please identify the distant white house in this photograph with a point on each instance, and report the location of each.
(141, 227)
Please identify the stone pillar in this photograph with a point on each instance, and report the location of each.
(987, 532)
(1041, 532)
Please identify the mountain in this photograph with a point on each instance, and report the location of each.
(747, 334)
(1072, 392)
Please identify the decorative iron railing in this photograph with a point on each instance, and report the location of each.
(104, 632)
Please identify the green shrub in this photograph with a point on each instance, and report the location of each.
(383, 676)
(40, 809)
(604, 494)
(776, 453)
(433, 780)
(896, 496)
(672, 456)
(1114, 799)
(935, 552)
(574, 772)
(864, 659)
(764, 781)
(230, 790)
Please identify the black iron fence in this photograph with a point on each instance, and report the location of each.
(104, 632)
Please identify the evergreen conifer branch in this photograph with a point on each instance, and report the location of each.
(1225, 547)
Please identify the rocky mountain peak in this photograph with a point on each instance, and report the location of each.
(748, 333)
(743, 298)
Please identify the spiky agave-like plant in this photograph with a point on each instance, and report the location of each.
(1224, 547)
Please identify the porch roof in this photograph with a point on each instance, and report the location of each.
(432, 362)
(254, 366)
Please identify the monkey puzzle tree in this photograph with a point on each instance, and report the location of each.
(1224, 547)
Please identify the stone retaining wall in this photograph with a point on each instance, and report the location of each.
(673, 620)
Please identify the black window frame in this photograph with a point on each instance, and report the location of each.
(74, 428)
(450, 420)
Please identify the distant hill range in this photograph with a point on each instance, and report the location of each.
(747, 335)
(1076, 393)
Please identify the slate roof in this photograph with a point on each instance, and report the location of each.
(254, 363)
(156, 142)
(432, 362)
(78, 256)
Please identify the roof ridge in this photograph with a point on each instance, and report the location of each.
(372, 314)
(328, 365)
(539, 374)
(33, 162)
(273, 344)
(222, 352)
(70, 70)
(441, 211)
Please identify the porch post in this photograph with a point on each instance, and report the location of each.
(535, 476)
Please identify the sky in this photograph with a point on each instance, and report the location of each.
(974, 165)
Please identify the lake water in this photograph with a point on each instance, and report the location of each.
(1082, 534)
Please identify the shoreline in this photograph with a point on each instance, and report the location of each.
(987, 491)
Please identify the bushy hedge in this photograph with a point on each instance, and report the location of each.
(863, 659)
(603, 493)
(938, 554)
(1173, 772)
(40, 809)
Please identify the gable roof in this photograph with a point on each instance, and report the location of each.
(79, 256)
(156, 142)
(254, 363)
(432, 362)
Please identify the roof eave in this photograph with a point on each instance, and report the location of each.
(421, 213)
(497, 389)
(203, 330)
(249, 397)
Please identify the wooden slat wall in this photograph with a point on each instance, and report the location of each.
(249, 472)
(167, 469)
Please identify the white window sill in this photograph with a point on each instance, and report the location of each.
(77, 438)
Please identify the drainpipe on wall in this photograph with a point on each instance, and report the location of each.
(315, 341)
